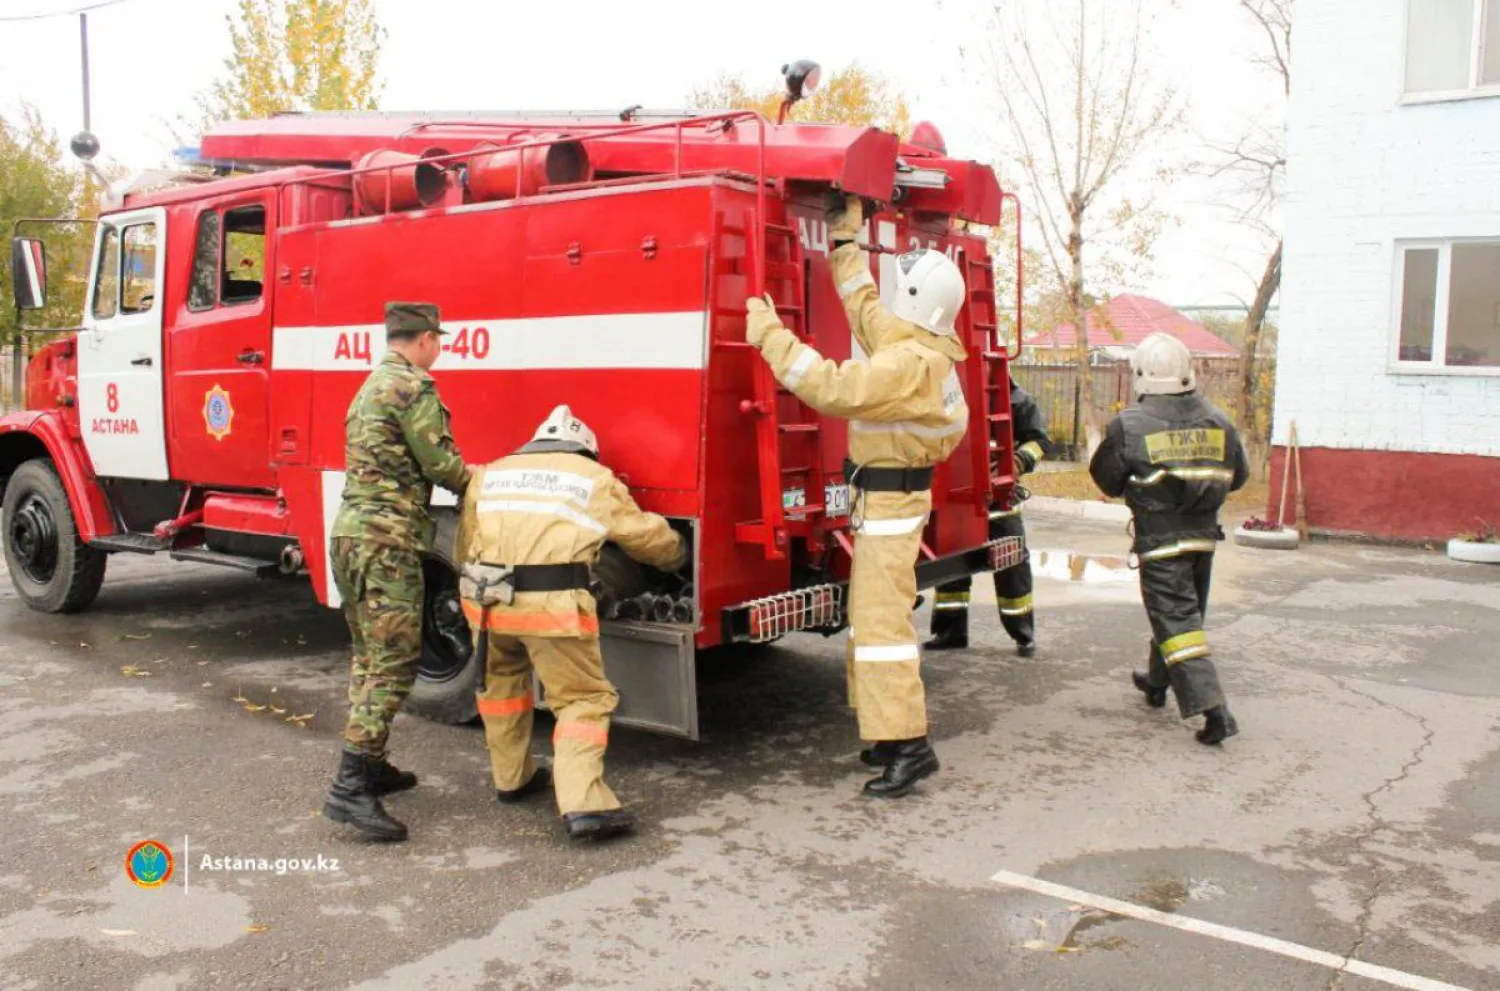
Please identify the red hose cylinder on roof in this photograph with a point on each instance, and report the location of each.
(413, 183)
(504, 173)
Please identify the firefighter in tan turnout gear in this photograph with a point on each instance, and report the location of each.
(1174, 457)
(906, 413)
(532, 528)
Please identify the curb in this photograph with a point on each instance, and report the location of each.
(1078, 508)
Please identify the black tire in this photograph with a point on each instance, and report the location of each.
(51, 568)
(451, 668)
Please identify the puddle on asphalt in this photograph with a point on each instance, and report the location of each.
(1164, 894)
(1090, 569)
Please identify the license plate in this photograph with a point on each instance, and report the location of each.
(836, 500)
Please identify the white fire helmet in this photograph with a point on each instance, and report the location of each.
(1161, 365)
(929, 290)
(566, 431)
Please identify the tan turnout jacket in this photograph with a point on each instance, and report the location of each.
(554, 508)
(905, 405)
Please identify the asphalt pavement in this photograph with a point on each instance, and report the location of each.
(1074, 838)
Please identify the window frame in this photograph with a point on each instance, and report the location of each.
(224, 233)
(111, 261)
(1476, 90)
(1437, 364)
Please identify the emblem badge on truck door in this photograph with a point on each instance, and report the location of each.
(218, 413)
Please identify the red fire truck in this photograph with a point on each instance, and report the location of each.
(599, 260)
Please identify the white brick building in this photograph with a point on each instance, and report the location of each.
(1389, 357)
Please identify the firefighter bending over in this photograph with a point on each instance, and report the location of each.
(532, 528)
(906, 413)
(397, 447)
(950, 613)
(1174, 457)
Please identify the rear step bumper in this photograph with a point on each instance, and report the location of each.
(820, 608)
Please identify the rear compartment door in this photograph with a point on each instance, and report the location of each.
(120, 348)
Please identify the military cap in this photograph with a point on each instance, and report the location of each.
(412, 318)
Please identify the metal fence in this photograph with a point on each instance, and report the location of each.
(1056, 389)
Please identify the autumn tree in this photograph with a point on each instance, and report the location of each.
(1256, 164)
(853, 95)
(1081, 118)
(297, 55)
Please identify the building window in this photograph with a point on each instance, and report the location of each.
(1448, 314)
(1452, 46)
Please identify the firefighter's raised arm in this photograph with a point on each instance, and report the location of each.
(424, 424)
(882, 388)
(646, 537)
(869, 320)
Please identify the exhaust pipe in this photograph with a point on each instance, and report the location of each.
(291, 560)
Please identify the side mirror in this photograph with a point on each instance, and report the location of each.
(28, 271)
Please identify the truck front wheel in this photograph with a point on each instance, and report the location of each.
(51, 568)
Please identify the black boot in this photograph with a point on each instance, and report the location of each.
(386, 778)
(914, 760)
(598, 825)
(1218, 726)
(540, 781)
(352, 799)
(879, 755)
(1155, 697)
(950, 630)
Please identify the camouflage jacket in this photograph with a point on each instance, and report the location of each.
(397, 446)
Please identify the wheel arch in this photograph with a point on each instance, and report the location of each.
(24, 437)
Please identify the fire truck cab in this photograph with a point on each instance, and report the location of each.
(233, 310)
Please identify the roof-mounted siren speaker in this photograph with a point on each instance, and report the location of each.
(401, 182)
(504, 173)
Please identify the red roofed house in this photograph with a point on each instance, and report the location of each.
(1117, 327)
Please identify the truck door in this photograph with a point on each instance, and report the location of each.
(220, 345)
(120, 348)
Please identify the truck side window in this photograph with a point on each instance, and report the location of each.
(244, 254)
(203, 292)
(138, 269)
(107, 276)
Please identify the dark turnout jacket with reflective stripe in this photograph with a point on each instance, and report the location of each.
(1027, 425)
(1174, 459)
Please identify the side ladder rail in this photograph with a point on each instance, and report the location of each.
(991, 407)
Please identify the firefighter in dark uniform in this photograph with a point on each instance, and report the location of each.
(950, 612)
(1174, 457)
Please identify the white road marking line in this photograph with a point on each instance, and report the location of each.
(1296, 951)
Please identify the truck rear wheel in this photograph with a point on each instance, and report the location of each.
(51, 568)
(451, 668)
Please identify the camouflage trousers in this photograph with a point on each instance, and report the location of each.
(382, 591)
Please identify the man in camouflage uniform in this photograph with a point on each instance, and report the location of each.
(398, 446)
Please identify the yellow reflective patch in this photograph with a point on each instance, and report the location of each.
(1202, 444)
(1014, 607)
(1184, 646)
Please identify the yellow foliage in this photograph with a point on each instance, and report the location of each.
(852, 96)
(297, 55)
